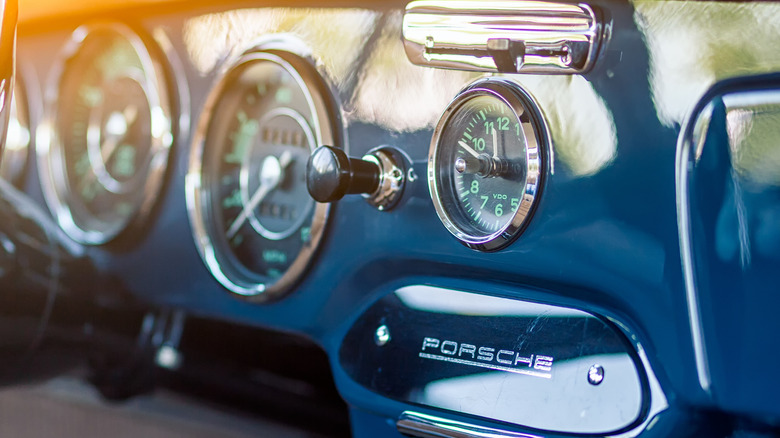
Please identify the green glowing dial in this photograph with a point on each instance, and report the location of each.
(485, 163)
(112, 134)
(257, 226)
(259, 141)
(490, 140)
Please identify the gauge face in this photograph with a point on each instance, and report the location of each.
(484, 165)
(17, 143)
(255, 222)
(111, 134)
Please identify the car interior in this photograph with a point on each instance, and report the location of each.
(426, 218)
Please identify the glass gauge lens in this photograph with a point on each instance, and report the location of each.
(17, 143)
(485, 164)
(112, 134)
(259, 221)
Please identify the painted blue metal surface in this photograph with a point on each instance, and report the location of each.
(729, 196)
(604, 237)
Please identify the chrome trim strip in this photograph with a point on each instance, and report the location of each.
(502, 36)
(658, 400)
(427, 426)
(682, 161)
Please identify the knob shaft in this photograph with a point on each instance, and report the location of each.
(331, 174)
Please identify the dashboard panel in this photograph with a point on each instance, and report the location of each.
(601, 239)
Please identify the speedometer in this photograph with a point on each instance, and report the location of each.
(485, 164)
(106, 144)
(255, 224)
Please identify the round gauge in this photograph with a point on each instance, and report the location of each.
(255, 224)
(106, 145)
(17, 143)
(485, 163)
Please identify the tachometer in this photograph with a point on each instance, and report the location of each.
(106, 145)
(485, 164)
(256, 225)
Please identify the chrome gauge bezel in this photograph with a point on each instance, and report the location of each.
(325, 131)
(49, 145)
(537, 144)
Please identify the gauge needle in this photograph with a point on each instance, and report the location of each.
(468, 149)
(110, 144)
(270, 176)
(495, 144)
(116, 129)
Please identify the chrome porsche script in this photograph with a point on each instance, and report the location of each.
(487, 357)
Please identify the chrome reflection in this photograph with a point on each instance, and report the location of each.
(508, 397)
(440, 300)
(504, 36)
(425, 426)
(694, 44)
(753, 126)
(335, 36)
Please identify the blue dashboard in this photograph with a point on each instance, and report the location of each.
(653, 239)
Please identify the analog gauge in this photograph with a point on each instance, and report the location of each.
(485, 164)
(256, 225)
(17, 143)
(108, 139)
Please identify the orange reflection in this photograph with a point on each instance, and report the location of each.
(31, 10)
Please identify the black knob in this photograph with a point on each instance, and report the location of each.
(331, 174)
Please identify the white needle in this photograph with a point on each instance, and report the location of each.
(109, 145)
(468, 149)
(115, 134)
(495, 143)
(271, 174)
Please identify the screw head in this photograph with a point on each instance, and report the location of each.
(460, 165)
(596, 375)
(567, 58)
(382, 335)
